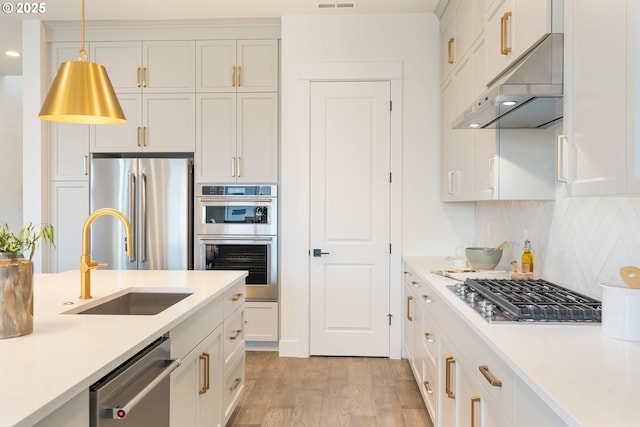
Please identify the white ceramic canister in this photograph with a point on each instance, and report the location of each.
(620, 311)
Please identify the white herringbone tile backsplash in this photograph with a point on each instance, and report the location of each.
(577, 242)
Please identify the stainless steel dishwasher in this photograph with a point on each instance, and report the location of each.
(136, 393)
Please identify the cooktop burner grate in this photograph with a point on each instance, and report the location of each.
(532, 301)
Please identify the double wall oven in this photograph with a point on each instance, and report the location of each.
(236, 228)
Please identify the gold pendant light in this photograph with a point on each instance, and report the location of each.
(81, 92)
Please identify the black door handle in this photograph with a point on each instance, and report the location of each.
(318, 252)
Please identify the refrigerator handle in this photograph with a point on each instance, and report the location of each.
(132, 210)
(143, 219)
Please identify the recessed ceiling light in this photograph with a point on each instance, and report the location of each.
(12, 53)
(509, 103)
(474, 125)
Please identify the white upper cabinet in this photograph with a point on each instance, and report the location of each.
(237, 65)
(513, 27)
(599, 155)
(69, 152)
(461, 24)
(149, 66)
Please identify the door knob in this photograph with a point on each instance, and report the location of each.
(318, 252)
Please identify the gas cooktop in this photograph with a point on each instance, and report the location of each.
(505, 300)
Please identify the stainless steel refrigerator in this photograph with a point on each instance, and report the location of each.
(156, 194)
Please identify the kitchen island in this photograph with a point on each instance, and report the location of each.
(66, 353)
(572, 374)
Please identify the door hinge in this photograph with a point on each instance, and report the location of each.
(390, 177)
(389, 316)
(389, 247)
(390, 105)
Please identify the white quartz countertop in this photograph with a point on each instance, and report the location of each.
(587, 378)
(66, 353)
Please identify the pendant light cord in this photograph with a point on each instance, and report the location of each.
(82, 55)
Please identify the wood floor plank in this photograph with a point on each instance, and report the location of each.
(328, 392)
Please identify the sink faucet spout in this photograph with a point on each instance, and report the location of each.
(86, 263)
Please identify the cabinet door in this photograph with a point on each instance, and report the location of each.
(184, 391)
(257, 133)
(447, 390)
(447, 143)
(125, 137)
(69, 151)
(407, 322)
(216, 138)
(216, 66)
(210, 374)
(633, 87)
(448, 58)
(257, 62)
(69, 209)
(499, 36)
(123, 62)
(169, 67)
(261, 321)
(168, 122)
(595, 43)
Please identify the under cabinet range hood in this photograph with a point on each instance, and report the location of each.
(527, 95)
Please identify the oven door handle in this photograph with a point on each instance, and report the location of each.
(246, 238)
(235, 200)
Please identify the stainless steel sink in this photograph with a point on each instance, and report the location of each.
(135, 303)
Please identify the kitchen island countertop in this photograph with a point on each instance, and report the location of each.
(587, 378)
(66, 353)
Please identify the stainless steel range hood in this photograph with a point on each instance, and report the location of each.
(528, 95)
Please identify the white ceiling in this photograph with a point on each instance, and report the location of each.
(154, 10)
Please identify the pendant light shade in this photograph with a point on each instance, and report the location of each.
(82, 93)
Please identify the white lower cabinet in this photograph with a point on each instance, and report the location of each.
(462, 380)
(261, 321)
(69, 207)
(205, 389)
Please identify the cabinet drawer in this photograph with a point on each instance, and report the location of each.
(233, 298)
(490, 368)
(233, 385)
(233, 335)
(430, 387)
(187, 335)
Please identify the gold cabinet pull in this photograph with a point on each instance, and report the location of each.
(407, 274)
(427, 387)
(429, 337)
(236, 335)
(138, 136)
(475, 417)
(450, 59)
(427, 299)
(144, 77)
(450, 365)
(138, 77)
(239, 76)
(144, 136)
(409, 315)
(415, 284)
(205, 357)
(236, 297)
(484, 369)
(505, 49)
(235, 385)
(233, 76)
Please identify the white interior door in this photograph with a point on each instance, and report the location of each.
(349, 224)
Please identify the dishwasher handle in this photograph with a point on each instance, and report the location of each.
(121, 411)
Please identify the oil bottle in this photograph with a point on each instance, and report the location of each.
(527, 257)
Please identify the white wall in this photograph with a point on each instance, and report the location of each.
(11, 149)
(427, 225)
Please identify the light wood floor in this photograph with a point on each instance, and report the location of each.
(327, 392)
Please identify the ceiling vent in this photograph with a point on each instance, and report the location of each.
(342, 5)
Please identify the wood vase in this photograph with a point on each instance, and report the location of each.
(16, 296)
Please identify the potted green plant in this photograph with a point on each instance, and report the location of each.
(16, 277)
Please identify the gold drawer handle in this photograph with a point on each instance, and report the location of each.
(427, 299)
(450, 365)
(237, 334)
(409, 314)
(428, 387)
(484, 369)
(475, 418)
(429, 337)
(235, 385)
(205, 357)
(236, 297)
(450, 59)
